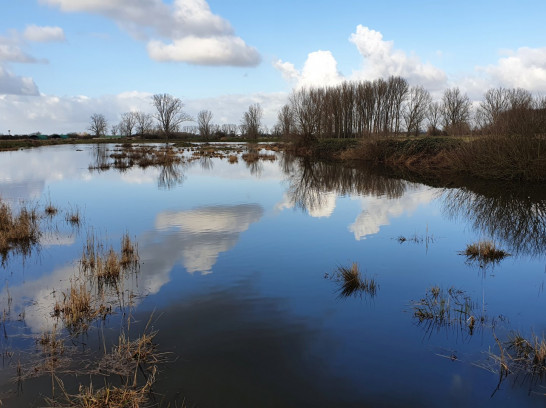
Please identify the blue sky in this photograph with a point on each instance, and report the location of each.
(62, 60)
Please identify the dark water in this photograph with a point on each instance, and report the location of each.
(237, 265)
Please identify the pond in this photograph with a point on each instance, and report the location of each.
(243, 266)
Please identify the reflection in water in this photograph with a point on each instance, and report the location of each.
(200, 235)
(519, 221)
(448, 309)
(313, 186)
(170, 175)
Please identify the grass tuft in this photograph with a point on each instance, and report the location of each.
(352, 282)
(484, 252)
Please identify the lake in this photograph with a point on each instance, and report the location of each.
(240, 275)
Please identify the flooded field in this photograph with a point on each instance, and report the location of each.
(237, 277)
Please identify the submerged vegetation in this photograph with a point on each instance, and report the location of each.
(441, 308)
(484, 252)
(351, 282)
(19, 231)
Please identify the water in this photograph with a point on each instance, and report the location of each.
(237, 265)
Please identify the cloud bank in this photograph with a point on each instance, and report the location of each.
(184, 31)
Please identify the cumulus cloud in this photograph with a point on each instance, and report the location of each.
(320, 69)
(317, 204)
(184, 31)
(380, 60)
(11, 84)
(43, 34)
(223, 50)
(523, 68)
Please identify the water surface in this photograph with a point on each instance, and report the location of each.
(237, 263)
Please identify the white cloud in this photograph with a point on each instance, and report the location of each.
(222, 50)
(380, 60)
(48, 114)
(43, 34)
(320, 69)
(11, 84)
(184, 31)
(523, 68)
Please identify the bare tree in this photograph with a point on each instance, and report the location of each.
(169, 113)
(416, 109)
(98, 125)
(455, 111)
(127, 124)
(285, 121)
(144, 123)
(204, 119)
(252, 120)
(434, 114)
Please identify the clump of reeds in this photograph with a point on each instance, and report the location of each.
(352, 282)
(233, 159)
(51, 210)
(129, 253)
(519, 356)
(75, 309)
(251, 157)
(484, 252)
(73, 217)
(18, 232)
(441, 308)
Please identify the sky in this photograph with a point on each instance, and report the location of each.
(63, 60)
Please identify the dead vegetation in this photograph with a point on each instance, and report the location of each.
(19, 232)
(447, 308)
(484, 252)
(351, 282)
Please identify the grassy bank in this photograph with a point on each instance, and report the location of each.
(503, 158)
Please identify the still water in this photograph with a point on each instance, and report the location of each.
(237, 267)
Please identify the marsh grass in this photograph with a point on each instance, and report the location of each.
(73, 217)
(19, 232)
(351, 282)
(127, 370)
(485, 252)
(523, 358)
(441, 308)
(233, 159)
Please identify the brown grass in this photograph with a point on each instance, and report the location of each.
(233, 159)
(352, 283)
(484, 252)
(18, 232)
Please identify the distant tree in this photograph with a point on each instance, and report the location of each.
(252, 120)
(204, 119)
(416, 109)
(114, 130)
(98, 124)
(128, 123)
(169, 113)
(285, 122)
(455, 111)
(144, 123)
(434, 115)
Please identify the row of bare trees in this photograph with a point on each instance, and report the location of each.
(169, 116)
(391, 106)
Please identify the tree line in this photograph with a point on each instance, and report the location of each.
(391, 107)
(168, 119)
(353, 109)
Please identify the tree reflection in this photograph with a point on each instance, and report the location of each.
(516, 219)
(310, 183)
